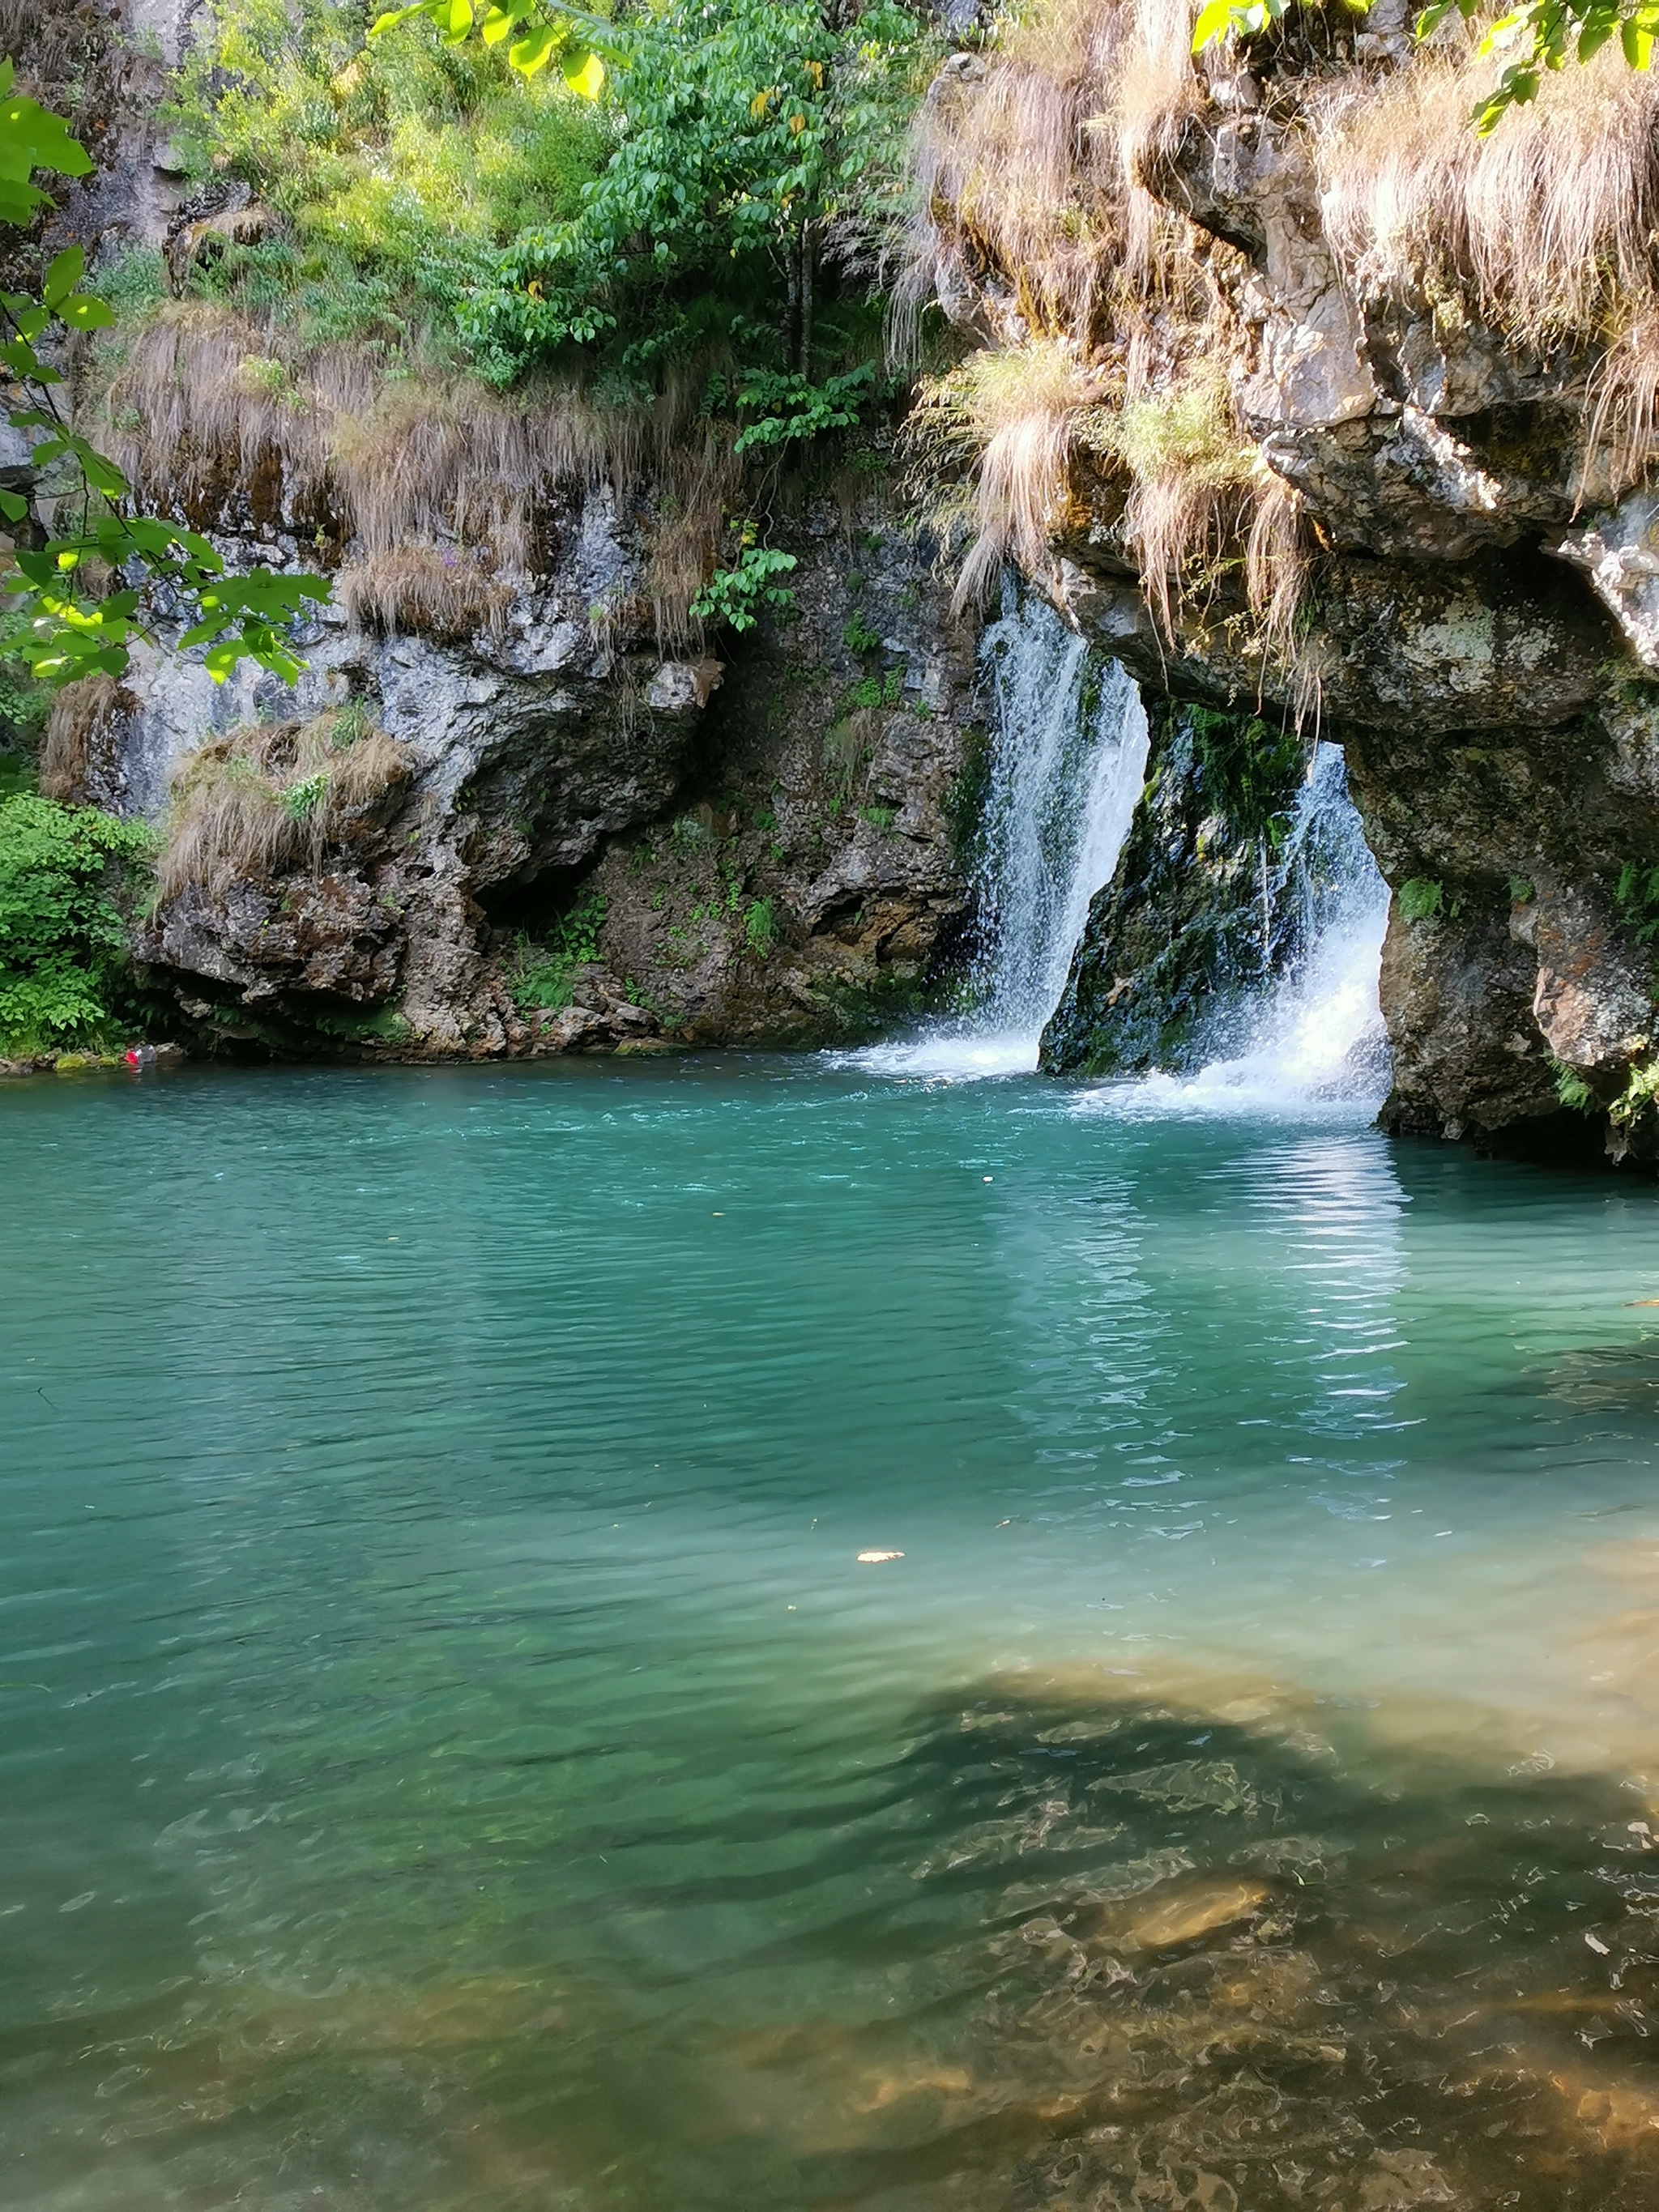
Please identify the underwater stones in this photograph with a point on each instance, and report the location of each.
(1198, 1911)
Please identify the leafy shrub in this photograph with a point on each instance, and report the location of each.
(1419, 899)
(400, 165)
(734, 596)
(542, 977)
(857, 635)
(760, 927)
(63, 945)
(784, 407)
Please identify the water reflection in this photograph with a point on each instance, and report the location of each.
(452, 1760)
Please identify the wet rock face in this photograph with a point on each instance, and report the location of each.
(1518, 952)
(1192, 929)
(810, 884)
(769, 835)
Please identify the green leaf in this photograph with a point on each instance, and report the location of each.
(13, 505)
(64, 274)
(532, 54)
(394, 16)
(85, 312)
(1638, 43)
(587, 81)
(1215, 20)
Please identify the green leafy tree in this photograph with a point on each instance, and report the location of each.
(1539, 35)
(755, 139)
(77, 625)
(63, 943)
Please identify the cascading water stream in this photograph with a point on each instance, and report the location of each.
(1317, 1037)
(1068, 758)
(1067, 766)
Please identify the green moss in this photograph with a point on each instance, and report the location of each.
(1248, 770)
(964, 802)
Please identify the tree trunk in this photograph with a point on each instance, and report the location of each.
(808, 254)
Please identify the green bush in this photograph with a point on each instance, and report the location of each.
(735, 596)
(63, 944)
(402, 166)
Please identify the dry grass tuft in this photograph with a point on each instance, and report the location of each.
(423, 461)
(274, 797)
(1035, 164)
(1010, 416)
(82, 723)
(1036, 167)
(418, 588)
(686, 544)
(1191, 469)
(1546, 233)
(435, 484)
(1036, 175)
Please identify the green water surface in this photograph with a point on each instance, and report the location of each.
(451, 1755)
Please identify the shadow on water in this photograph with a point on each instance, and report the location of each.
(1214, 1951)
(1262, 1963)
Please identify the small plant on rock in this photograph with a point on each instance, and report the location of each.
(1419, 898)
(542, 975)
(735, 596)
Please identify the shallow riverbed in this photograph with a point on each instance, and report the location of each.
(452, 1755)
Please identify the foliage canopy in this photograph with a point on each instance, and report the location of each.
(61, 940)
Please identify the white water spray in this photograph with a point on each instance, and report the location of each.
(1317, 1038)
(1068, 759)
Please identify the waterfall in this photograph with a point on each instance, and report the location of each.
(1068, 757)
(1316, 1035)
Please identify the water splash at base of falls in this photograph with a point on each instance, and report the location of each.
(1316, 1039)
(1068, 760)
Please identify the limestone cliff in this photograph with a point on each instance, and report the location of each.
(758, 848)
(1354, 439)
(522, 800)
